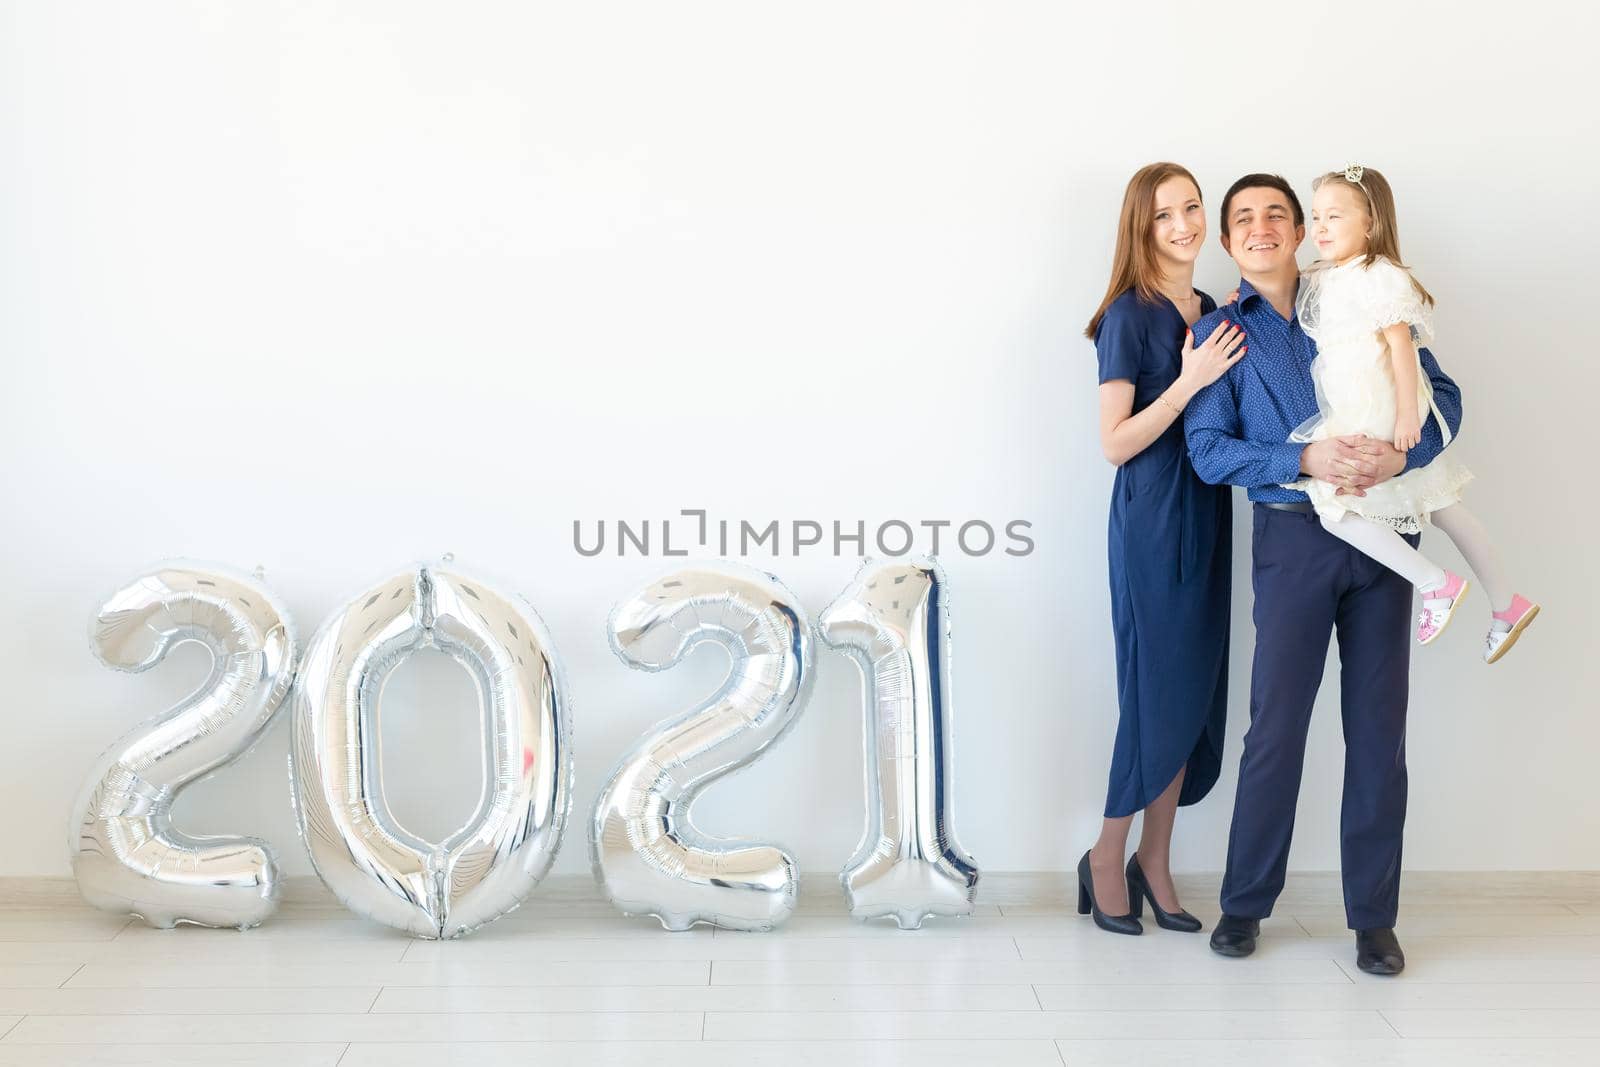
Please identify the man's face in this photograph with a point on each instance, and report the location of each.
(1262, 237)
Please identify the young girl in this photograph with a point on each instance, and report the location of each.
(1368, 316)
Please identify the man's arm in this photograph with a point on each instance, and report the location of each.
(1367, 461)
(1448, 398)
(1220, 453)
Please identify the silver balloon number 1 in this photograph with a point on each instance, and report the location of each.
(373, 865)
(894, 622)
(647, 854)
(125, 854)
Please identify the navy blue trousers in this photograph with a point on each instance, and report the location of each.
(1309, 585)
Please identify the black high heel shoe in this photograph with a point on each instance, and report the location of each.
(1087, 905)
(1139, 889)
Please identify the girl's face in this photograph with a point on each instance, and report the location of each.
(1339, 222)
(1180, 224)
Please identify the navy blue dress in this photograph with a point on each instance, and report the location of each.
(1171, 557)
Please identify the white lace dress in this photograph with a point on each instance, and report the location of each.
(1344, 309)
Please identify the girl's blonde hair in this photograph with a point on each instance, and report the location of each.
(1135, 264)
(1384, 237)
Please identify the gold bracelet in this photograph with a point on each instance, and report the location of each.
(1176, 410)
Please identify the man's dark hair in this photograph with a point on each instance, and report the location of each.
(1259, 181)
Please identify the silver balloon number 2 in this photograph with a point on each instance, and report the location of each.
(372, 864)
(647, 854)
(125, 855)
(894, 622)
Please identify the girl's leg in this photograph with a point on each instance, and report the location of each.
(1105, 864)
(1155, 844)
(1472, 540)
(1388, 548)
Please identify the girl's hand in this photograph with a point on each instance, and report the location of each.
(1232, 298)
(1407, 431)
(1204, 365)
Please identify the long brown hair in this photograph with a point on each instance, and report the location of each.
(1135, 266)
(1384, 240)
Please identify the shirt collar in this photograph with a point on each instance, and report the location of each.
(1247, 292)
(1248, 296)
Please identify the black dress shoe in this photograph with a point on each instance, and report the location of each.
(1139, 891)
(1117, 924)
(1378, 951)
(1235, 936)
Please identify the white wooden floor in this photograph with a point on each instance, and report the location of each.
(1503, 969)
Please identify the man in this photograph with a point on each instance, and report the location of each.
(1307, 585)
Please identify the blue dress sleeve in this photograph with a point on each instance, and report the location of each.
(1119, 345)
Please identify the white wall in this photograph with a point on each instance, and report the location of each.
(333, 287)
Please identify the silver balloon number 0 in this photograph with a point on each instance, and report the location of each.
(647, 854)
(372, 864)
(893, 620)
(126, 856)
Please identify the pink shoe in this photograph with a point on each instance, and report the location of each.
(1518, 616)
(1439, 606)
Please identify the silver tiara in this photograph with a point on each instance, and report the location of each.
(1353, 173)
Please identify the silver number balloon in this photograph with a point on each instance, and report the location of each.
(893, 620)
(125, 854)
(648, 856)
(372, 864)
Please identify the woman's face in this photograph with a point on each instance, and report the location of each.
(1339, 222)
(1180, 223)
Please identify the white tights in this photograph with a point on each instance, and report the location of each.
(1390, 549)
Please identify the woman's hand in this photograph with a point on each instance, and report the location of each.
(1407, 431)
(1204, 365)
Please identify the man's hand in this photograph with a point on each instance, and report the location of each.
(1354, 463)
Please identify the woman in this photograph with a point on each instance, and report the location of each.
(1170, 548)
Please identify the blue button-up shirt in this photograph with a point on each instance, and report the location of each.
(1238, 427)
